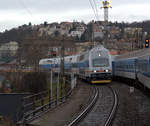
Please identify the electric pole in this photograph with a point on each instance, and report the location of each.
(92, 44)
(62, 57)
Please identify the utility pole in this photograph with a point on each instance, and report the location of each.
(62, 58)
(62, 66)
(92, 44)
(144, 34)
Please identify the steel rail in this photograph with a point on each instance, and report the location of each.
(88, 108)
(114, 108)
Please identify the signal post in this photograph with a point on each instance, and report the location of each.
(146, 43)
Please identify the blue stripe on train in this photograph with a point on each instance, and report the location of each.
(66, 65)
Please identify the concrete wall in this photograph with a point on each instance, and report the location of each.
(10, 106)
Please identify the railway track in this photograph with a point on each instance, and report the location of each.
(102, 109)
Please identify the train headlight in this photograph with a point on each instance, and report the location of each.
(94, 71)
(106, 70)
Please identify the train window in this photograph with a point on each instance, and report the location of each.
(49, 61)
(143, 65)
(86, 64)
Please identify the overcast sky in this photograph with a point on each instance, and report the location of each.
(14, 13)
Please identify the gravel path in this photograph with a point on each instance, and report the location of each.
(133, 109)
(69, 110)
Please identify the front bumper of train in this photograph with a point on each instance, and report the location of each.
(101, 81)
(101, 78)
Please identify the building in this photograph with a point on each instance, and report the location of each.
(76, 33)
(98, 31)
(9, 49)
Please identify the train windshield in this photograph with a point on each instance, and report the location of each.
(101, 62)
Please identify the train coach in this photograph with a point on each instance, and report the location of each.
(93, 65)
(135, 66)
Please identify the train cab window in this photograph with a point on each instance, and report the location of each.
(100, 62)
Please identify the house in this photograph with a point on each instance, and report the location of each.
(98, 31)
(9, 48)
(76, 33)
(98, 35)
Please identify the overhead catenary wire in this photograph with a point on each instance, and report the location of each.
(96, 9)
(93, 8)
(26, 8)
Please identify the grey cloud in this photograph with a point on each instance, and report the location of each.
(43, 5)
(57, 5)
(123, 2)
(45, 9)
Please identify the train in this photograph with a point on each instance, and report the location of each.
(134, 66)
(94, 65)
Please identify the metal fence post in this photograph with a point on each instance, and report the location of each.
(58, 87)
(23, 110)
(34, 98)
(56, 96)
(51, 86)
(65, 86)
(49, 98)
(42, 102)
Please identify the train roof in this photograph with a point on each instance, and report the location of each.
(99, 47)
(57, 60)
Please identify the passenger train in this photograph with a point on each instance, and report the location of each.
(135, 66)
(94, 65)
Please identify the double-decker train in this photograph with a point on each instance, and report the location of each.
(93, 65)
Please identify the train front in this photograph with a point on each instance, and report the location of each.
(100, 62)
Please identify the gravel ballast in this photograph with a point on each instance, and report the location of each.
(133, 107)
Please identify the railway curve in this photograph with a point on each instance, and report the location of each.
(102, 109)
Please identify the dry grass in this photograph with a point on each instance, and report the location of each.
(6, 122)
(46, 100)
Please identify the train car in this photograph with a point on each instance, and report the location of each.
(49, 63)
(125, 68)
(54, 63)
(93, 65)
(135, 66)
(143, 73)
